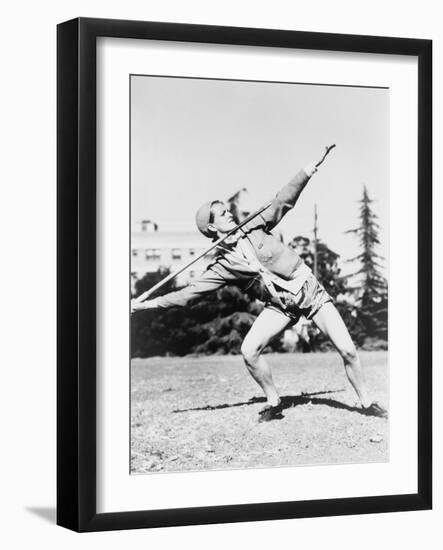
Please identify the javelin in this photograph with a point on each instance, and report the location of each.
(145, 295)
(171, 276)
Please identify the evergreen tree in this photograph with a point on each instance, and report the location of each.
(214, 323)
(369, 286)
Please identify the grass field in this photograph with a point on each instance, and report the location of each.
(202, 413)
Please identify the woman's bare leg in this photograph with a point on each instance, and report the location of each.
(329, 321)
(267, 325)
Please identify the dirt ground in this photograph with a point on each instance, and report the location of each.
(202, 414)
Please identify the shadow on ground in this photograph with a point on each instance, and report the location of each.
(48, 514)
(288, 402)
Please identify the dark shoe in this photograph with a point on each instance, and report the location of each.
(269, 413)
(375, 409)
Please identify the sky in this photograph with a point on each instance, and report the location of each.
(194, 140)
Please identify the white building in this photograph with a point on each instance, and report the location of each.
(152, 249)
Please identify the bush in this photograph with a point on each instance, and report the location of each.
(374, 344)
(214, 324)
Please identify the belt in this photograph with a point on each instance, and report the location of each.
(245, 253)
(298, 278)
(271, 280)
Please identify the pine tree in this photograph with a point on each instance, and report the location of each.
(214, 323)
(371, 287)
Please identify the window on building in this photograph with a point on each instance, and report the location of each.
(176, 254)
(134, 252)
(148, 226)
(152, 254)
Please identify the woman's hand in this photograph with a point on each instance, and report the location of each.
(326, 152)
(139, 306)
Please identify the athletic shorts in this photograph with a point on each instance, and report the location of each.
(307, 301)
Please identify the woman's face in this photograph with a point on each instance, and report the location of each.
(223, 222)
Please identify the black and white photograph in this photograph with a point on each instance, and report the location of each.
(258, 274)
(224, 332)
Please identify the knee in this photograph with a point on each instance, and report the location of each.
(250, 352)
(349, 353)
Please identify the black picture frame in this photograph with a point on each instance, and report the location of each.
(77, 250)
